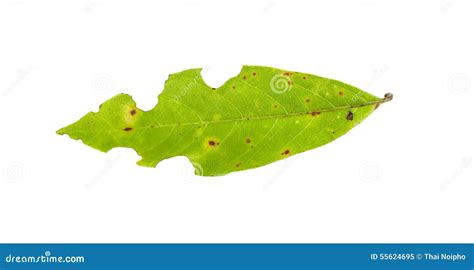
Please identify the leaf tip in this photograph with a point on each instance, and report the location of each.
(61, 131)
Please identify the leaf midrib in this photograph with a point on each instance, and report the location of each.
(266, 117)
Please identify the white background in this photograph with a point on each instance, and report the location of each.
(404, 175)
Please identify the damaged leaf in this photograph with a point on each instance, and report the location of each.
(258, 117)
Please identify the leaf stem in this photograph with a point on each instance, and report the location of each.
(387, 97)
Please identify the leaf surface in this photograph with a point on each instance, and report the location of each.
(258, 117)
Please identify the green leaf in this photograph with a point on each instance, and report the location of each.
(258, 117)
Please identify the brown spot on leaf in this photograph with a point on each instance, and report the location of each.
(315, 113)
(237, 165)
(304, 77)
(127, 129)
(233, 86)
(254, 74)
(341, 93)
(286, 152)
(211, 143)
(307, 100)
(213, 88)
(350, 116)
(245, 78)
(133, 112)
(288, 73)
(248, 140)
